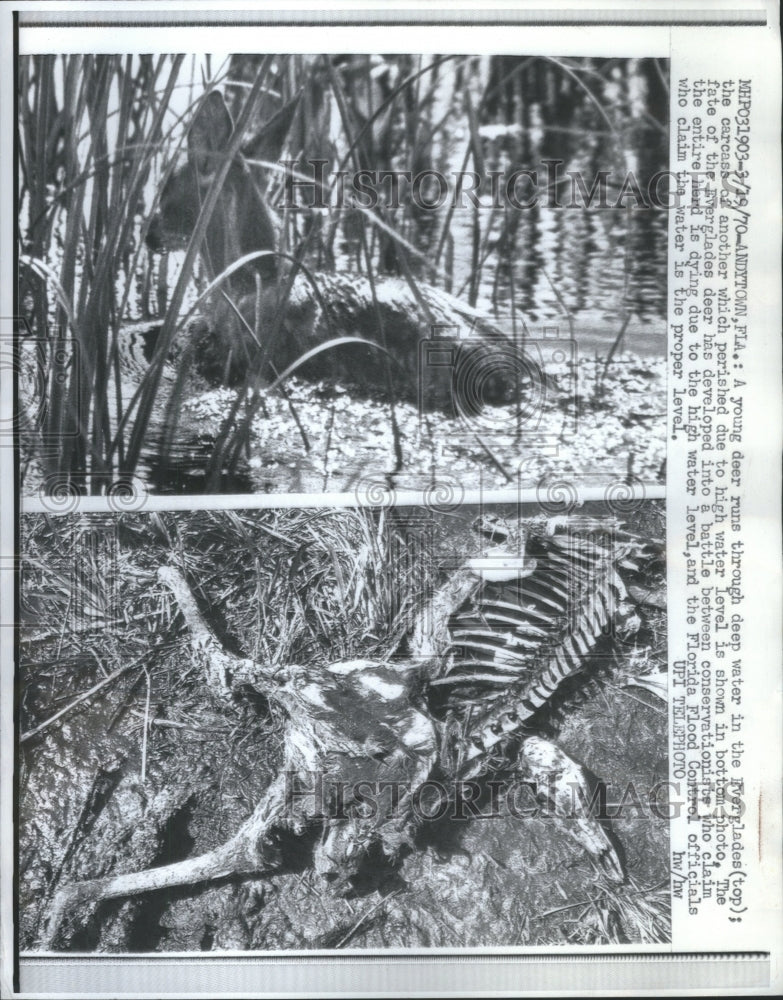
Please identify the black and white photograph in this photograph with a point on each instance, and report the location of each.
(338, 273)
(344, 729)
(390, 433)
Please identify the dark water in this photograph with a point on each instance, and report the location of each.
(547, 260)
(556, 259)
(551, 269)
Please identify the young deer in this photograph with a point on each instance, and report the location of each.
(415, 341)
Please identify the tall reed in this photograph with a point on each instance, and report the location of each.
(89, 131)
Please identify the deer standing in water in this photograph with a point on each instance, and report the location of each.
(390, 336)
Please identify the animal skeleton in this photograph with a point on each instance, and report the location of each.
(356, 721)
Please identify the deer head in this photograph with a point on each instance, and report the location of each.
(242, 221)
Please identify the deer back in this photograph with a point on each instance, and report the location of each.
(248, 320)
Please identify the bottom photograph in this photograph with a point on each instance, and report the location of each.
(317, 729)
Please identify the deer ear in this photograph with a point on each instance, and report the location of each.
(210, 132)
(268, 142)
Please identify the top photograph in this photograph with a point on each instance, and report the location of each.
(340, 274)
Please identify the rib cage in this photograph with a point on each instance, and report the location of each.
(516, 640)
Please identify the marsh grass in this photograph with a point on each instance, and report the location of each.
(99, 136)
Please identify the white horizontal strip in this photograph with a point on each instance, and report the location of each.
(618, 497)
(466, 974)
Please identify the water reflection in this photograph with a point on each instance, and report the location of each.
(605, 122)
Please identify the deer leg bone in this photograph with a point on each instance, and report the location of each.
(251, 851)
(561, 783)
(224, 671)
(248, 852)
